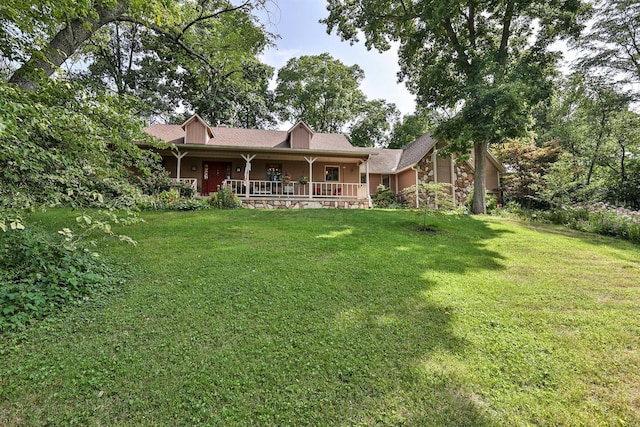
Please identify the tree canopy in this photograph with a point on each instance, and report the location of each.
(612, 44)
(320, 90)
(484, 59)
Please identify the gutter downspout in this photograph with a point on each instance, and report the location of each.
(366, 164)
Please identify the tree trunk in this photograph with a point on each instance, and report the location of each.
(479, 189)
(63, 45)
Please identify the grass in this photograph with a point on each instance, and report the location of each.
(341, 318)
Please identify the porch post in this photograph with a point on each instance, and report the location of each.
(311, 161)
(247, 170)
(178, 156)
(366, 165)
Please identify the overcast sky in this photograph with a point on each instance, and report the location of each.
(296, 22)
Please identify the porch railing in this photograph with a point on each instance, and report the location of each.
(295, 189)
(193, 182)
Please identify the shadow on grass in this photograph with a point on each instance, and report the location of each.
(303, 318)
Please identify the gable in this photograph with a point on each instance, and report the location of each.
(196, 131)
(300, 136)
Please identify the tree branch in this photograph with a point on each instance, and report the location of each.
(63, 45)
(504, 40)
(453, 37)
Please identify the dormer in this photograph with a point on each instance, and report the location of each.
(197, 131)
(300, 135)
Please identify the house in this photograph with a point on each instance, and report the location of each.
(422, 162)
(300, 168)
(323, 169)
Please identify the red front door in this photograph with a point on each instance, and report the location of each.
(213, 174)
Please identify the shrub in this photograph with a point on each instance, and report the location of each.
(432, 196)
(225, 198)
(41, 272)
(383, 197)
(159, 182)
(598, 218)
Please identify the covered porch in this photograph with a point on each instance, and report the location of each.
(266, 180)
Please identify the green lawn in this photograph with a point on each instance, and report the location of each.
(339, 317)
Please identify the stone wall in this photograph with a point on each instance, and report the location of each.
(305, 204)
(463, 177)
(464, 182)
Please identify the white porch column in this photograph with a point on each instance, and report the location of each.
(247, 169)
(366, 164)
(311, 161)
(178, 156)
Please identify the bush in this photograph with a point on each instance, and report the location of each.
(598, 218)
(436, 197)
(41, 272)
(159, 182)
(225, 198)
(383, 198)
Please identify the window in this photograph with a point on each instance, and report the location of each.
(385, 181)
(332, 173)
(273, 172)
(363, 178)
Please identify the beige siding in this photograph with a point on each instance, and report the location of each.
(300, 137)
(406, 179)
(196, 133)
(375, 179)
(491, 178)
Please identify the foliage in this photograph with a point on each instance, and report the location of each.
(225, 198)
(43, 272)
(45, 36)
(482, 60)
(372, 128)
(65, 146)
(490, 200)
(383, 198)
(598, 218)
(527, 165)
(325, 93)
(320, 90)
(595, 125)
(429, 197)
(159, 181)
(612, 43)
(411, 128)
(61, 145)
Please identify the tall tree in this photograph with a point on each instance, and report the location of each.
(320, 90)
(41, 36)
(372, 128)
(593, 121)
(613, 41)
(486, 59)
(410, 128)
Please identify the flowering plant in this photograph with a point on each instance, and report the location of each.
(303, 180)
(286, 177)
